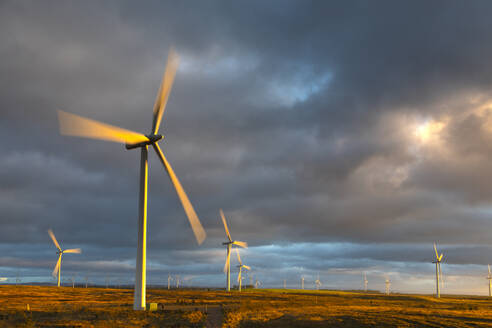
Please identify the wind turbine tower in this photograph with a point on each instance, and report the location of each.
(438, 271)
(74, 125)
(60, 252)
(365, 282)
(302, 282)
(285, 284)
(229, 244)
(489, 277)
(168, 281)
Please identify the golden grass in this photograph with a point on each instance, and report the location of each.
(98, 307)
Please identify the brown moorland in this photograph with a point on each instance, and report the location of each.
(100, 307)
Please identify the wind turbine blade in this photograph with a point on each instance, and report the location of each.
(239, 276)
(74, 250)
(247, 267)
(228, 259)
(238, 257)
(78, 126)
(52, 235)
(435, 249)
(440, 257)
(197, 227)
(225, 225)
(165, 88)
(241, 244)
(57, 267)
(489, 269)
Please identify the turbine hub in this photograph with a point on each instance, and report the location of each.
(153, 138)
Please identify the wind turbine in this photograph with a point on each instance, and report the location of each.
(74, 125)
(489, 277)
(388, 285)
(302, 282)
(257, 283)
(229, 243)
(365, 282)
(438, 271)
(240, 266)
(60, 252)
(285, 284)
(318, 283)
(169, 281)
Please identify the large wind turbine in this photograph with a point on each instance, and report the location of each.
(489, 277)
(75, 125)
(240, 266)
(60, 252)
(229, 243)
(438, 271)
(365, 282)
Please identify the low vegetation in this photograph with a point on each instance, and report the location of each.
(100, 307)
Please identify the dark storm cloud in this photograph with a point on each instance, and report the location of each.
(310, 123)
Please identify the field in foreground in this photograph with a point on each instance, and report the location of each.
(98, 307)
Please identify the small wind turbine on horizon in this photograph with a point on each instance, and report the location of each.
(489, 277)
(169, 281)
(60, 252)
(240, 266)
(302, 282)
(229, 243)
(318, 283)
(388, 285)
(74, 125)
(438, 271)
(365, 282)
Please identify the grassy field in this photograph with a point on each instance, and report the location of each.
(99, 307)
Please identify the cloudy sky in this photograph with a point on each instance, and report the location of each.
(338, 139)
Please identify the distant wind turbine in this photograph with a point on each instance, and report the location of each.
(74, 125)
(285, 284)
(229, 243)
(438, 271)
(388, 285)
(169, 281)
(318, 283)
(365, 282)
(240, 266)
(302, 282)
(489, 277)
(60, 252)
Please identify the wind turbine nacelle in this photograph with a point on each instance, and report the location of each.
(153, 138)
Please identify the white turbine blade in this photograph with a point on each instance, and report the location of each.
(238, 257)
(225, 224)
(241, 244)
(52, 235)
(165, 89)
(435, 248)
(57, 267)
(78, 126)
(246, 267)
(228, 259)
(74, 250)
(197, 227)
